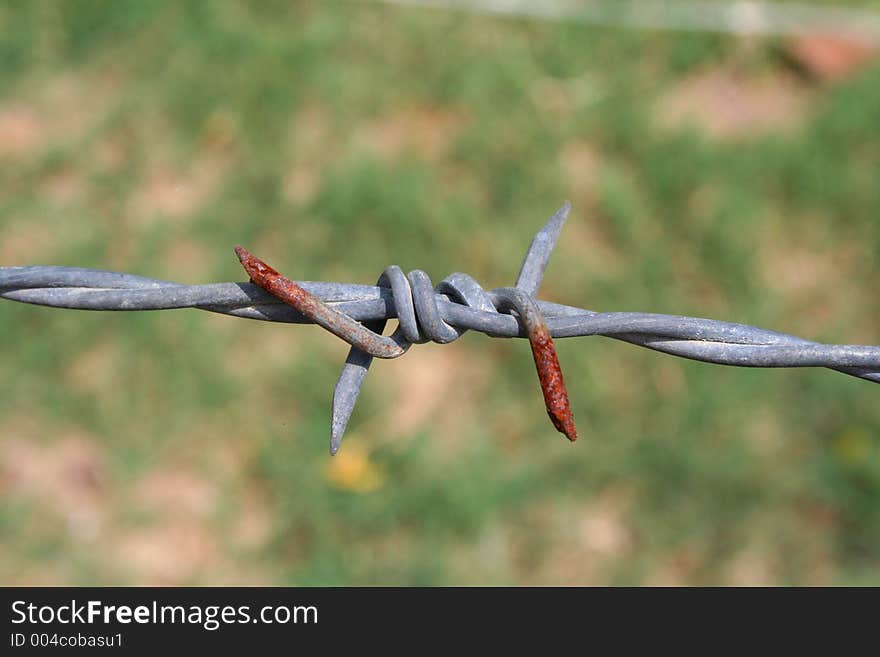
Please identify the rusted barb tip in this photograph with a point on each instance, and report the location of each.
(242, 253)
(564, 422)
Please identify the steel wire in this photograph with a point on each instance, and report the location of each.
(440, 314)
(708, 340)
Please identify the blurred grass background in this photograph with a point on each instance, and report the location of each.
(709, 177)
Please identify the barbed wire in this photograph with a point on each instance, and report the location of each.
(442, 313)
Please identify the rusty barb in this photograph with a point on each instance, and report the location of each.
(339, 324)
(441, 313)
(367, 340)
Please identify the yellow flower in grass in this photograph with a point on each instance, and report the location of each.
(853, 445)
(352, 470)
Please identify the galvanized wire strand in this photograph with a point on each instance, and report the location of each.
(696, 338)
(442, 313)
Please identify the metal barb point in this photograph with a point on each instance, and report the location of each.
(531, 273)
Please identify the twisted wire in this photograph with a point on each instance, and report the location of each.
(440, 313)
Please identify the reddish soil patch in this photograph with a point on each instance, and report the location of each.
(726, 104)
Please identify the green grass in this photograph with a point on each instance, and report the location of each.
(334, 139)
